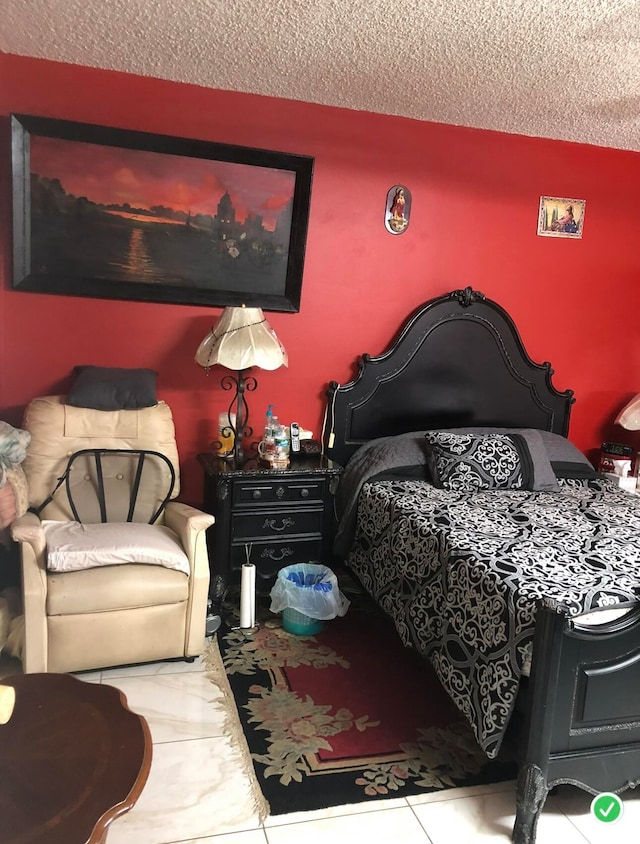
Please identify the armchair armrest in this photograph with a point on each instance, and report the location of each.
(190, 525)
(27, 531)
(28, 528)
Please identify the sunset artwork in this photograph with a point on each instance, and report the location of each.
(155, 223)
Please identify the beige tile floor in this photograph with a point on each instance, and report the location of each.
(197, 791)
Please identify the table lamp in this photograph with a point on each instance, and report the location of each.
(240, 339)
(629, 419)
(629, 416)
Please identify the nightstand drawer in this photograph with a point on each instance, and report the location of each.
(275, 523)
(277, 490)
(270, 557)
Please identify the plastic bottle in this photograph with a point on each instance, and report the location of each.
(280, 458)
(267, 447)
(274, 426)
(226, 434)
(268, 425)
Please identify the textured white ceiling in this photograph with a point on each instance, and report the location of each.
(548, 68)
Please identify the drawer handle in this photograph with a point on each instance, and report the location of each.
(272, 554)
(304, 492)
(256, 493)
(284, 524)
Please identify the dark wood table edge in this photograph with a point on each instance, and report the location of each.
(101, 825)
(101, 828)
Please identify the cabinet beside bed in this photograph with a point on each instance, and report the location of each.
(271, 518)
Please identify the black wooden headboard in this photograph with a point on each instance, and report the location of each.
(458, 361)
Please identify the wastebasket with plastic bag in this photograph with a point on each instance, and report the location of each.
(307, 594)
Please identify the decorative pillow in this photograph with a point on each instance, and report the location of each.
(468, 463)
(107, 388)
(544, 478)
(557, 453)
(72, 545)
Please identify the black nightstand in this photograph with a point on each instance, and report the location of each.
(271, 518)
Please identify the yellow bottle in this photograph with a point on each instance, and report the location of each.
(226, 438)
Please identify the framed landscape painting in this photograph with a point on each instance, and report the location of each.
(119, 214)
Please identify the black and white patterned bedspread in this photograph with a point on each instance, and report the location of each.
(460, 574)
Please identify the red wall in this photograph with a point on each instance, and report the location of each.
(474, 214)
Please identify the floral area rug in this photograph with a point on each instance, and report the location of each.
(347, 715)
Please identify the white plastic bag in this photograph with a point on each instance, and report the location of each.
(309, 588)
(13, 448)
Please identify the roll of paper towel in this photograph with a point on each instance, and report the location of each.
(248, 596)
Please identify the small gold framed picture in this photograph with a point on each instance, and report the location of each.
(560, 217)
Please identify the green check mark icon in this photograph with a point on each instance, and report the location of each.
(607, 807)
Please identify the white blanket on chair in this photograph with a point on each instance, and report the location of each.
(73, 545)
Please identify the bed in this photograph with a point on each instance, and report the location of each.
(497, 550)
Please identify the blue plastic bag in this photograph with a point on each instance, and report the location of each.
(309, 588)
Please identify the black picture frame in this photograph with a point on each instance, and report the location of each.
(214, 224)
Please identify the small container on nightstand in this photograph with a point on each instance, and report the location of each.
(271, 518)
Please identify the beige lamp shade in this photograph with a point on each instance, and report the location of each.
(629, 416)
(242, 338)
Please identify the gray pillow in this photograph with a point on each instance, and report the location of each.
(112, 388)
(544, 478)
(567, 461)
(467, 462)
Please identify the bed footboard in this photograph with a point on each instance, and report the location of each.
(583, 720)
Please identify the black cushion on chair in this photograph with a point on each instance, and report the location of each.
(112, 388)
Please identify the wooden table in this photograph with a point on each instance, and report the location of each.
(73, 758)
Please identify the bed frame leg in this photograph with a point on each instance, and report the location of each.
(530, 796)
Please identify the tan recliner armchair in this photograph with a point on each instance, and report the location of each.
(88, 614)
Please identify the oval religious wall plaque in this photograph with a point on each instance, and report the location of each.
(397, 209)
